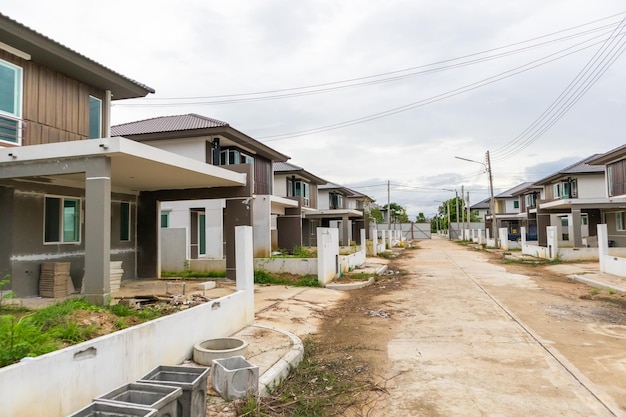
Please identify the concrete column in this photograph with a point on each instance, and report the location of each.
(384, 240)
(363, 242)
(603, 246)
(374, 235)
(238, 212)
(553, 241)
(289, 228)
(327, 253)
(262, 214)
(576, 228)
(523, 235)
(346, 231)
(245, 268)
(503, 235)
(96, 281)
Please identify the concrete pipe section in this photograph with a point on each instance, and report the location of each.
(225, 347)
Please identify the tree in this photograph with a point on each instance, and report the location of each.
(398, 213)
(377, 214)
(420, 218)
(442, 212)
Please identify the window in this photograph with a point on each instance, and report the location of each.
(556, 191)
(201, 234)
(61, 220)
(165, 219)
(10, 103)
(234, 157)
(336, 201)
(299, 189)
(531, 200)
(619, 221)
(565, 189)
(565, 226)
(124, 221)
(516, 204)
(95, 118)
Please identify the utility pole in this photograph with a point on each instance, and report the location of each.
(388, 207)
(492, 202)
(456, 214)
(449, 234)
(463, 212)
(469, 212)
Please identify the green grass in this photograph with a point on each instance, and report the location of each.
(359, 275)
(192, 274)
(264, 277)
(32, 333)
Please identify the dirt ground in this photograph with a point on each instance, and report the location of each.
(584, 324)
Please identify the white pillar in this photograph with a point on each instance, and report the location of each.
(603, 245)
(327, 253)
(363, 242)
(553, 242)
(523, 235)
(244, 264)
(503, 234)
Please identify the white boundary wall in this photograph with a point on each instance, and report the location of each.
(298, 266)
(609, 264)
(60, 383)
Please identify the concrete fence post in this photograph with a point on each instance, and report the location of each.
(553, 242)
(503, 234)
(327, 254)
(244, 264)
(603, 246)
(523, 235)
(363, 242)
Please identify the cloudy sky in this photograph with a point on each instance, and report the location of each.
(368, 92)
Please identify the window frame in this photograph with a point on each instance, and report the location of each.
(619, 221)
(164, 215)
(61, 238)
(18, 98)
(92, 100)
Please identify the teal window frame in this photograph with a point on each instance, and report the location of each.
(95, 117)
(62, 220)
(201, 234)
(165, 219)
(11, 94)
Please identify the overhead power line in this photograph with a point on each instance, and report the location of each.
(595, 68)
(370, 79)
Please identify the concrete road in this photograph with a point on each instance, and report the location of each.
(459, 352)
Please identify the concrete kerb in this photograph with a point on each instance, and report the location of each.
(356, 285)
(279, 371)
(598, 284)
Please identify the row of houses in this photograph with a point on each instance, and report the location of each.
(75, 189)
(575, 199)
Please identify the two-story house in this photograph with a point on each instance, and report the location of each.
(572, 198)
(528, 197)
(70, 193)
(214, 142)
(507, 211)
(613, 210)
(295, 228)
(342, 208)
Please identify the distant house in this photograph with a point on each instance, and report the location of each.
(481, 209)
(507, 210)
(297, 184)
(214, 142)
(69, 192)
(613, 210)
(572, 201)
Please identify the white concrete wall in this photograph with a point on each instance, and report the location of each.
(298, 266)
(180, 218)
(349, 262)
(172, 247)
(194, 148)
(207, 265)
(327, 253)
(591, 186)
(551, 251)
(60, 383)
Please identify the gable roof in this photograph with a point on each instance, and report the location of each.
(580, 167)
(484, 204)
(512, 191)
(608, 157)
(288, 168)
(348, 192)
(192, 125)
(161, 124)
(51, 54)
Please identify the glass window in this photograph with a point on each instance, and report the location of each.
(202, 234)
(124, 221)
(556, 191)
(516, 204)
(61, 220)
(165, 219)
(95, 118)
(619, 220)
(10, 102)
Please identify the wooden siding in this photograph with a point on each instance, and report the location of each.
(617, 180)
(55, 108)
(262, 176)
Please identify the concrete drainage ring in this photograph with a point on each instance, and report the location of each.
(224, 347)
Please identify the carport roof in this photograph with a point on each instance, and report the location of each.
(134, 166)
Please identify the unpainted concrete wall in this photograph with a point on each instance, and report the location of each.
(298, 266)
(327, 254)
(172, 247)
